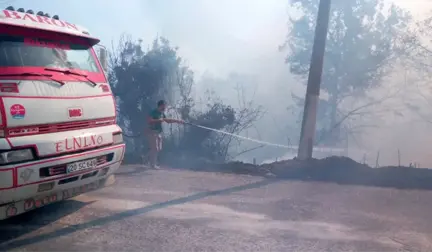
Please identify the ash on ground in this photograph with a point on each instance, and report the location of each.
(335, 169)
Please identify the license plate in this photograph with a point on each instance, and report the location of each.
(82, 165)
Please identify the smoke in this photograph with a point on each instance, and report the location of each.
(219, 38)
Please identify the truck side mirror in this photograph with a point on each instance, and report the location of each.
(103, 58)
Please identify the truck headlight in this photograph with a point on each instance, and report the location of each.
(16, 156)
(117, 138)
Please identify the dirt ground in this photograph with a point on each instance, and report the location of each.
(341, 170)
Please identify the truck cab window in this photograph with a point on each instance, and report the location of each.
(33, 52)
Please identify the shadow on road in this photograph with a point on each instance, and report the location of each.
(26, 223)
(125, 214)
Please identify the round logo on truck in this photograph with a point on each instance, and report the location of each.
(17, 111)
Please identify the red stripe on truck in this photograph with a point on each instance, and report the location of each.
(58, 127)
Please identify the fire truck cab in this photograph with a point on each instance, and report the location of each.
(58, 131)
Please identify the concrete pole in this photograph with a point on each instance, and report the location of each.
(314, 81)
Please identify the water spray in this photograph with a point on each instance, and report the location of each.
(248, 139)
(242, 137)
(231, 134)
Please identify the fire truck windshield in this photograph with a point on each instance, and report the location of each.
(33, 52)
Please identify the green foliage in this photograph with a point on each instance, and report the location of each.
(139, 78)
(418, 49)
(361, 47)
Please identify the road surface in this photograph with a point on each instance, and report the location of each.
(173, 210)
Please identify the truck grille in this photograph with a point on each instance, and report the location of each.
(59, 127)
(61, 169)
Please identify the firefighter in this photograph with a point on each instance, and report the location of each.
(155, 119)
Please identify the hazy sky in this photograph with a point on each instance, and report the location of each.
(242, 29)
(213, 35)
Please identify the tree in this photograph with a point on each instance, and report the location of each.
(361, 47)
(247, 113)
(139, 78)
(418, 51)
(418, 67)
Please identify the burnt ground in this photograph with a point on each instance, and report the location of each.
(318, 205)
(340, 170)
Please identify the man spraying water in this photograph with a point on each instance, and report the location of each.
(155, 119)
(157, 116)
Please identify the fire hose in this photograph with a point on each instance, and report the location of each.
(228, 133)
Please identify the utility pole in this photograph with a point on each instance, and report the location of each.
(314, 81)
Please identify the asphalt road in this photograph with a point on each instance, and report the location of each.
(171, 210)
